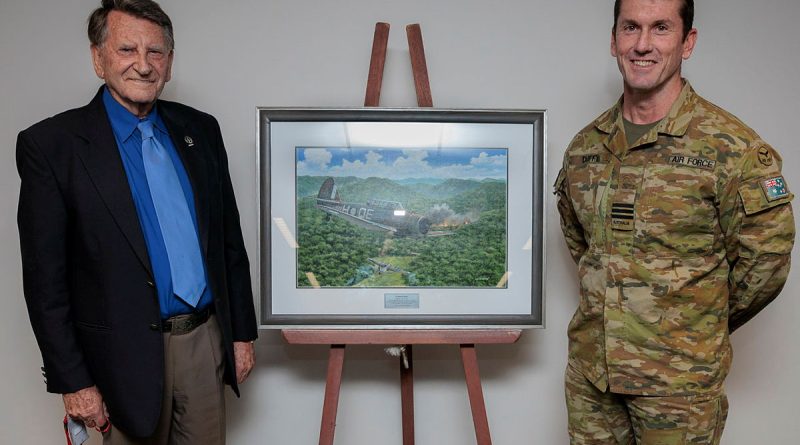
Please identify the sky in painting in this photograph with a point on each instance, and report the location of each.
(444, 163)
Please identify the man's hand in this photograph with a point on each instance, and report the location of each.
(245, 357)
(86, 405)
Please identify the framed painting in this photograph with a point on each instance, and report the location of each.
(423, 218)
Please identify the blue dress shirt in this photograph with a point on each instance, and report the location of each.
(129, 142)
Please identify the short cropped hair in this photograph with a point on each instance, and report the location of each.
(686, 12)
(143, 9)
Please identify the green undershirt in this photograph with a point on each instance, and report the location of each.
(634, 131)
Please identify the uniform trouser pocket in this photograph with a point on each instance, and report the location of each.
(697, 419)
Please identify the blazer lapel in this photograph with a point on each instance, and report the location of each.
(192, 149)
(102, 161)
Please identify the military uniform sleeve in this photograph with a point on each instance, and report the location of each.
(756, 218)
(570, 225)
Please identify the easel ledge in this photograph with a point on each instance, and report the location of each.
(400, 336)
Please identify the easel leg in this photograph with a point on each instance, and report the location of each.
(470, 360)
(419, 66)
(376, 63)
(332, 386)
(407, 397)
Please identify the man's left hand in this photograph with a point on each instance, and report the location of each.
(245, 356)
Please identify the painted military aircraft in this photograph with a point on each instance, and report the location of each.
(375, 214)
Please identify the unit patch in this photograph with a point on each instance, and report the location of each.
(692, 161)
(764, 156)
(622, 216)
(774, 188)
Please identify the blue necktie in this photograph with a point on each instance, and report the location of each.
(177, 228)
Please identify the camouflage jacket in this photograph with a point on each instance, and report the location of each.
(679, 239)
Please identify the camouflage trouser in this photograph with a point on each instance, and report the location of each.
(605, 418)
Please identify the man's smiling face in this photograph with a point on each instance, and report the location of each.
(134, 60)
(649, 44)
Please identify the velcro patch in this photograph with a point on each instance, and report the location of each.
(622, 216)
(774, 188)
(692, 161)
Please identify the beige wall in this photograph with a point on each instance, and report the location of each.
(235, 55)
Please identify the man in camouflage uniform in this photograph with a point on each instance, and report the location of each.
(679, 219)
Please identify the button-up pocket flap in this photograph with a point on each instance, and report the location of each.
(764, 193)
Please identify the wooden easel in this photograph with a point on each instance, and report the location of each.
(340, 338)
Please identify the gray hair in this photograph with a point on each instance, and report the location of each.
(143, 9)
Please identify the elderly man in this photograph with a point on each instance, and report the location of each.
(135, 273)
(680, 221)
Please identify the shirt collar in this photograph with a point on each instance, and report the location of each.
(123, 122)
(675, 123)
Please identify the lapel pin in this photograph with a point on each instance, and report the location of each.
(189, 141)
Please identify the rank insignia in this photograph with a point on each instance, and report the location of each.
(774, 188)
(764, 156)
(622, 216)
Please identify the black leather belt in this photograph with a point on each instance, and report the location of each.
(185, 323)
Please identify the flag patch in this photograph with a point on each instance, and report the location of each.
(774, 188)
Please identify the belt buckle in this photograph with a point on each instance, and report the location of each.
(186, 324)
(181, 326)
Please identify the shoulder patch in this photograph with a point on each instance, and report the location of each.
(774, 188)
(765, 156)
(763, 193)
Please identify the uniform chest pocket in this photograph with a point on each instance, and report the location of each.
(676, 208)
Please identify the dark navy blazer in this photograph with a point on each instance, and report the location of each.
(86, 271)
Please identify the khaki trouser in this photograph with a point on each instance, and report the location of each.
(605, 418)
(193, 408)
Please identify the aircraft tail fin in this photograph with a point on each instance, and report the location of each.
(328, 191)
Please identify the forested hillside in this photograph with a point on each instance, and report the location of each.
(465, 248)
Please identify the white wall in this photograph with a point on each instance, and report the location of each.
(233, 56)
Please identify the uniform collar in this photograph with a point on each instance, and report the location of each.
(674, 124)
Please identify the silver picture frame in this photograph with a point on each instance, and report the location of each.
(351, 232)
